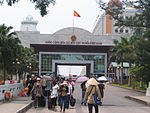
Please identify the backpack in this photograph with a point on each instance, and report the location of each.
(72, 101)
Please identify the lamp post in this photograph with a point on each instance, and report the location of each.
(120, 71)
(16, 63)
(29, 67)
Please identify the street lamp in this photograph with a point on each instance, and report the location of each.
(120, 69)
(16, 62)
(29, 67)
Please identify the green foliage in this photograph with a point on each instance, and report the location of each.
(135, 50)
(14, 58)
(135, 85)
(140, 22)
(124, 50)
(42, 5)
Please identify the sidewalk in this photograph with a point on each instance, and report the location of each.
(17, 105)
(142, 99)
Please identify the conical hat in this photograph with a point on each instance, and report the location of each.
(64, 83)
(92, 81)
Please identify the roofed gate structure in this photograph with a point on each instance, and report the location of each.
(64, 47)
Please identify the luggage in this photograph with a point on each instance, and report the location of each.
(72, 101)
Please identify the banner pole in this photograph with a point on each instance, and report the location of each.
(73, 23)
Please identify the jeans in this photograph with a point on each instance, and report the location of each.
(63, 100)
(90, 108)
(33, 95)
(59, 100)
(83, 101)
(68, 101)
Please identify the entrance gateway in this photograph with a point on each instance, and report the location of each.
(65, 48)
(95, 62)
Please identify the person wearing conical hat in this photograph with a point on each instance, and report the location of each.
(63, 96)
(91, 89)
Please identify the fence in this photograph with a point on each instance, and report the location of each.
(15, 89)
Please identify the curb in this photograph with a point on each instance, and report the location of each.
(25, 108)
(129, 88)
(138, 100)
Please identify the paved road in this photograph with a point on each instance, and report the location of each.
(114, 102)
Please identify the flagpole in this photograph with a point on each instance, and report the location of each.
(73, 23)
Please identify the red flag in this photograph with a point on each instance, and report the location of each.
(76, 14)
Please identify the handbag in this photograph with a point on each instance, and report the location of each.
(72, 101)
(96, 99)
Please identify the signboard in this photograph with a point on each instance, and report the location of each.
(73, 43)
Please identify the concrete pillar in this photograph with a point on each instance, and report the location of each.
(148, 90)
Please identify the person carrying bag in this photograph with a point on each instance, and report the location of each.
(96, 99)
(91, 95)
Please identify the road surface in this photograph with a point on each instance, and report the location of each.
(113, 102)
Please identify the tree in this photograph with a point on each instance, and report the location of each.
(13, 55)
(124, 51)
(42, 5)
(139, 22)
(142, 57)
(8, 46)
(27, 60)
(117, 52)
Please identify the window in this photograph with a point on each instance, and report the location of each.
(121, 30)
(127, 17)
(127, 31)
(116, 30)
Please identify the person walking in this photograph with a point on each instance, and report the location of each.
(59, 92)
(37, 89)
(70, 91)
(31, 84)
(83, 88)
(63, 96)
(48, 88)
(101, 88)
(92, 89)
(54, 95)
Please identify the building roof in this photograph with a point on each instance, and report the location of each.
(69, 30)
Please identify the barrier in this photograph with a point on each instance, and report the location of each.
(15, 89)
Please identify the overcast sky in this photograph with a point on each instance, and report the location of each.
(59, 16)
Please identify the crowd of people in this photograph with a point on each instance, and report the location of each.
(59, 91)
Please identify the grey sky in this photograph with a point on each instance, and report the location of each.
(60, 15)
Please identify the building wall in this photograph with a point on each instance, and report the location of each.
(106, 25)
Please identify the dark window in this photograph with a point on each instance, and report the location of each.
(116, 30)
(127, 31)
(127, 17)
(121, 30)
(121, 17)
